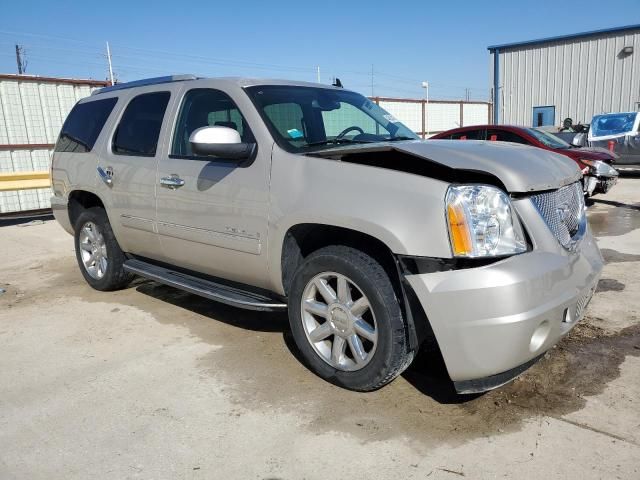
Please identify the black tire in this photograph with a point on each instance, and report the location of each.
(114, 277)
(392, 354)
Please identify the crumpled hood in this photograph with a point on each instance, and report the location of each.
(520, 168)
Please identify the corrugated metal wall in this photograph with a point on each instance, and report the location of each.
(32, 111)
(580, 77)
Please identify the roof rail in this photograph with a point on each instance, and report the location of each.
(145, 82)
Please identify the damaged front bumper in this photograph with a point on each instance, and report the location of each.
(600, 177)
(598, 184)
(494, 321)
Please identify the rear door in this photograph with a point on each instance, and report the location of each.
(217, 221)
(130, 162)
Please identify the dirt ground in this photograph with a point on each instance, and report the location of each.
(153, 383)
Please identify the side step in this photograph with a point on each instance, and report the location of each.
(205, 288)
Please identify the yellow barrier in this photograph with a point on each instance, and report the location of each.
(24, 181)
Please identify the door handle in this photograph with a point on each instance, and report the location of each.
(106, 175)
(172, 182)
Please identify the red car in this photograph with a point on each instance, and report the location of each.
(595, 163)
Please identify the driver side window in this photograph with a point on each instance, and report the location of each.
(338, 120)
(203, 107)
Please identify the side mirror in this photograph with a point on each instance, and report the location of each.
(577, 140)
(221, 142)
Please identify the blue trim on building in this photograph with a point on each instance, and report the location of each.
(496, 86)
(564, 37)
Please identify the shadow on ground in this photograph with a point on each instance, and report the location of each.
(425, 406)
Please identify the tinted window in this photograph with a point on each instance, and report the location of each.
(204, 107)
(468, 135)
(505, 136)
(83, 125)
(139, 128)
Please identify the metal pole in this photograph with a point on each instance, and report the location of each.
(427, 111)
(110, 66)
(496, 86)
(19, 60)
(372, 80)
(318, 72)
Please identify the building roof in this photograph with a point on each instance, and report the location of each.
(70, 81)
(572, 36)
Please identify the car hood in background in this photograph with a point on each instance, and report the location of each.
(519, 168)
(593, 153)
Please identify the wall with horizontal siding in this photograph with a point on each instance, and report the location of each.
(32, 111)
(581, 77)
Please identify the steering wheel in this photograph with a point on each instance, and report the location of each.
(347, 130)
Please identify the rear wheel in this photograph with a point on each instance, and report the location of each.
(346, 319)
(99, 256)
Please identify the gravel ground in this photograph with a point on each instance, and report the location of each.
(154, 383)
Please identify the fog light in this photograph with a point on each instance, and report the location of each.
(539, 336)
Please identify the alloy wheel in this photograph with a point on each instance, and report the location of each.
(339, 321)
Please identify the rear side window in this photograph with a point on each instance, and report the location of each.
(139, 128)
(83, 125)
(505, 136)
(468, 135)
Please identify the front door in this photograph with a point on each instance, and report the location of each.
(216, 221)
(544, 116)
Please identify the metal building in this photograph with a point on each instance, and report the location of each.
(32, 110)
(542, 82)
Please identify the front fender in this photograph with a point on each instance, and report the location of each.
(404, 211)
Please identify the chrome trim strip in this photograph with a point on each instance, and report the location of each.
(204, 230)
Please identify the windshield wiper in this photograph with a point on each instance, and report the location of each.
(335, 141)
(395, 139)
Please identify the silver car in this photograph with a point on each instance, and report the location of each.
(276, 195)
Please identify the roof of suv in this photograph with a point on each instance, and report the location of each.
(239, 81)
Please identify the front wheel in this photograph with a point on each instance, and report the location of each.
(346, 319)
(99, 256)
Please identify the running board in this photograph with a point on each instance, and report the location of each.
(205, 288)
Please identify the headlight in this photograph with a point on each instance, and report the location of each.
(482, 222)
(598, 167)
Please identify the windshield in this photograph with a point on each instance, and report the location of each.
(548, 139)
(612, 124)
(306, 119)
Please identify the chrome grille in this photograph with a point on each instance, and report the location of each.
(583, 302)
(563, 211)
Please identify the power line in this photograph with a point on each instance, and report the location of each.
(135, 59)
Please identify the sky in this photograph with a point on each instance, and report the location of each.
(379, 48)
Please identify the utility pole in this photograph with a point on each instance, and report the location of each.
(372, 80)
(318, 73)
(22, 64)
(425, 85)
(110, 66)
